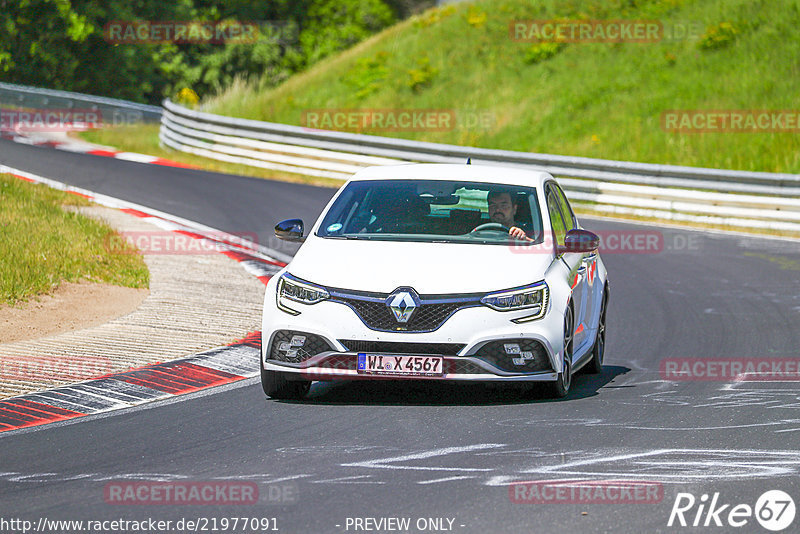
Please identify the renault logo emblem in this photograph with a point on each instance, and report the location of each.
(403, 302)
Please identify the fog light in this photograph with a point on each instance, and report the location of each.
(512, 348)
(296, 347)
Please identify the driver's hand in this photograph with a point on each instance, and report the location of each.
(518, 233)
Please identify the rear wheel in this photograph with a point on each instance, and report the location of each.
(560, 387)
(278, 386)
(595, 365)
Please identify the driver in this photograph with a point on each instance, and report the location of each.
(502, 210)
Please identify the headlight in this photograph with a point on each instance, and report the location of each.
(291, 288)
(533, 297)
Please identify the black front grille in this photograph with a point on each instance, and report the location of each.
(296, 347)
(427, 318)
(392, 347)
(531, 355)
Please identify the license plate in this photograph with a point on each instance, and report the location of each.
(388, 364)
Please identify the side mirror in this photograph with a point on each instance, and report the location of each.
(290, 230)
(580, 241)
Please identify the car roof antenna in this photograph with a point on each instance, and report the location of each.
(469, 161)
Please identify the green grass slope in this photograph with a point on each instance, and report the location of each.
(600, 100)
(42, 244)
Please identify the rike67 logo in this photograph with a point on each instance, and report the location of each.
(774, 510)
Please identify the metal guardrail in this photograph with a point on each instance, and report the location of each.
(112, 110)
(735, 198)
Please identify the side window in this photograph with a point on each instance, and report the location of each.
(566, 210)
(556, 220)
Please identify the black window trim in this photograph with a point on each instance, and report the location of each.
(549, 186)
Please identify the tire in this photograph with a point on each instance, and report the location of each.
(595, 365)
(560, 387)
(277, 386)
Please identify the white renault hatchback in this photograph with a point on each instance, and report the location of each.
(437, 272)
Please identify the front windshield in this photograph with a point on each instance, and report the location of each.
(439, 211)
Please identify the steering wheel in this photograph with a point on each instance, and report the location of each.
(490, 226)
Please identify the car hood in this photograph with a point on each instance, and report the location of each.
(429, 268)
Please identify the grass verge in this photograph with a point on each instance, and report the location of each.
(595, 99)
(42, 244)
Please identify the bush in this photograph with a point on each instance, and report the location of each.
(718, 36)
(475, 17)
(422, 76)
(368, 74)
(61, 44)
(333, 25)
(542, 52)
(186, 97)
(432, 16)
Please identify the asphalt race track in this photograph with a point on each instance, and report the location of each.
(420, 451)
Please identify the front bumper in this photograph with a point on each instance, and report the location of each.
(462, 341)
(487, 361)
(321, 370)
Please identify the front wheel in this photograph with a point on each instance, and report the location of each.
(278, 386)
(560, 387)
